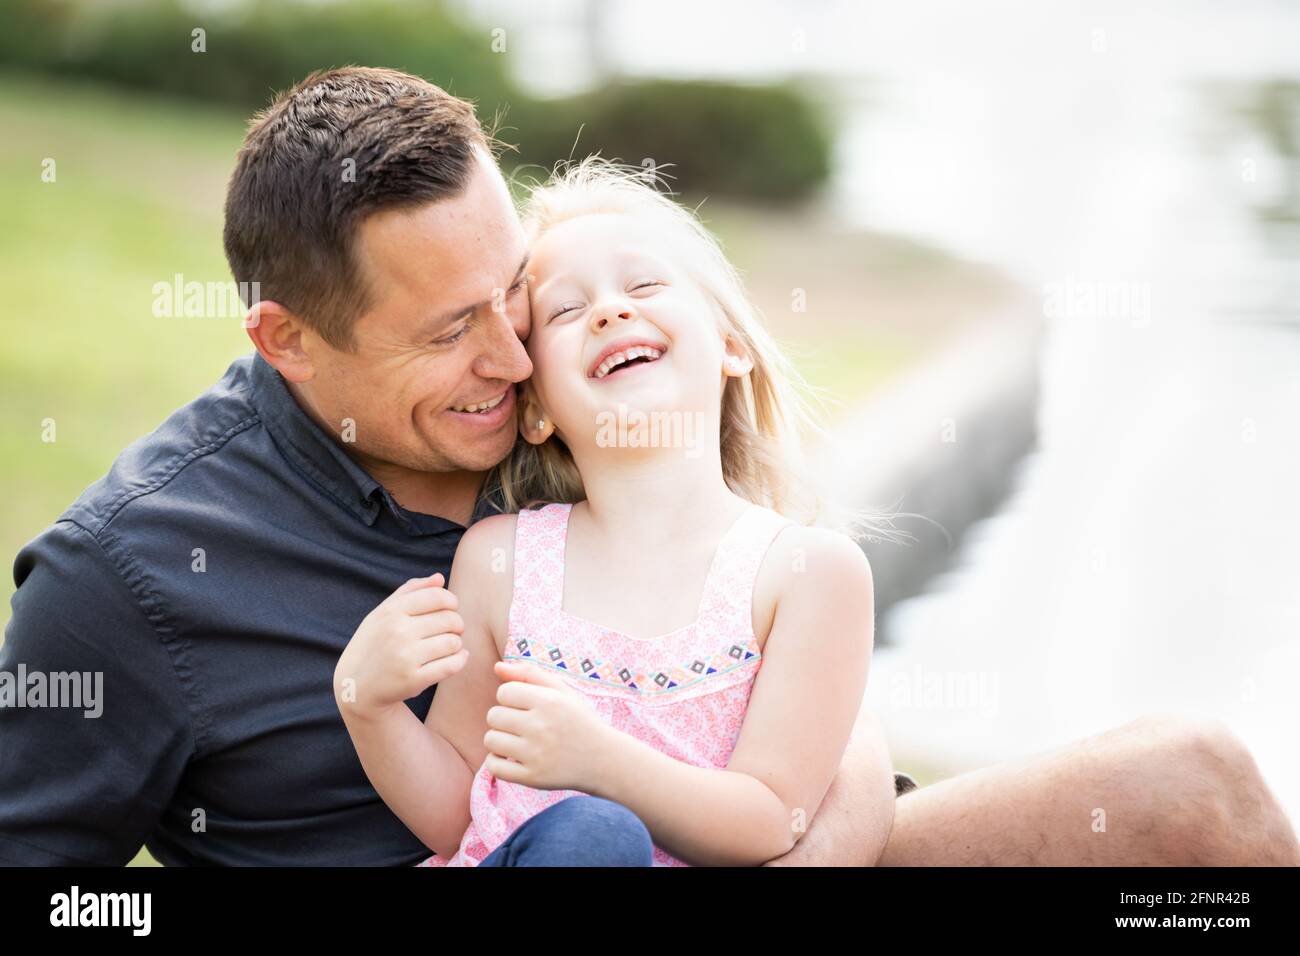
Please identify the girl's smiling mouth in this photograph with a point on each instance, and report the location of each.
(623, 354)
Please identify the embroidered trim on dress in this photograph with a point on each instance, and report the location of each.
(643, 683)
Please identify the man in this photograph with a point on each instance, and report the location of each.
(216, 573)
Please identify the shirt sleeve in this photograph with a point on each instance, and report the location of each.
(87, 781)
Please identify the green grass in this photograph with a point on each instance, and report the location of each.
(137, 199)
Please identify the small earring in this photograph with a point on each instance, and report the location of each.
(541, 423)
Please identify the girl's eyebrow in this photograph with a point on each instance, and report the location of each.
(634, 258)
(550, 280)
(644, 258)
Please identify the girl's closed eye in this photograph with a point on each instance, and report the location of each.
(562, 309)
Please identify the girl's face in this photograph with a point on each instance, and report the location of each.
(617, 321)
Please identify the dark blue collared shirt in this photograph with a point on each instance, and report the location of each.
(213, 578)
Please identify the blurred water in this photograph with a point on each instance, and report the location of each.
(1146, 559)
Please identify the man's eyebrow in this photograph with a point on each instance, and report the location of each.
(449, 317)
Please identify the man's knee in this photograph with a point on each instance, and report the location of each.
(1210, 800)
(611, 834)
(1204, 750)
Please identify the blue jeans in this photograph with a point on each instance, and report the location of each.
(577, 831)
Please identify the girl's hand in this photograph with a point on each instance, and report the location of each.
(408, 642)
(543, 733)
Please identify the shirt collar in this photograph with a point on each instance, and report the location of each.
(319, 458)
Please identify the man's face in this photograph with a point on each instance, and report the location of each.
(431, 383)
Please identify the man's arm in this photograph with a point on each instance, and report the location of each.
(853, 823)
(84, 784)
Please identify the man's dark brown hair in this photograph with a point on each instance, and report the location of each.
(341, 145)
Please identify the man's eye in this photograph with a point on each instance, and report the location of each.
(454, 337)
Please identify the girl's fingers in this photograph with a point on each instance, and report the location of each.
(529, 674)
(428, 599)
(520, 695)
(414, 584)
(503, 744)
(505, 770)
(436, 648)
(439, 670)
(426, 626)
(508, 719)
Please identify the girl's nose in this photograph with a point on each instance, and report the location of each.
(602, 317)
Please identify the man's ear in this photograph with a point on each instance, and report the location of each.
(281, 338)
(736, 362)
(534, 425)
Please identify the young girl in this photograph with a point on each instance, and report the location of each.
(657, 626)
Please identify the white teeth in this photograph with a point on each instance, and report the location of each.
(481, 406)
(627, 355)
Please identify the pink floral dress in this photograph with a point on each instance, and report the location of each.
(684, 693)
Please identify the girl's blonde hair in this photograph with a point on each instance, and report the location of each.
(764, 414)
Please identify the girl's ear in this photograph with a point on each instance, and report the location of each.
(534, 426)
(736, 363)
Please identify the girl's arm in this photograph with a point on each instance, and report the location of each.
(801, 711)
(459, 713)
(419, 636)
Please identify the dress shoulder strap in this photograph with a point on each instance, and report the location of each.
(540, 538)
(729, 589)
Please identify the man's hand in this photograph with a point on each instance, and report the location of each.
(407, 643)
(543, 733)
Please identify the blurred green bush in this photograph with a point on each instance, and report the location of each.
(711, 138)
(249, 51)
(750, 141)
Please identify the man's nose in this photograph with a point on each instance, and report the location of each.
(602, 316)
(504, 357)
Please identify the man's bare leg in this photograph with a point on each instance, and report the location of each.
(1173, 792)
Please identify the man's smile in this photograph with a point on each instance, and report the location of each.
(484, 406)
(488, 413)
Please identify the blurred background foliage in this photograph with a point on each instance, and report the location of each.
(762, 141)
